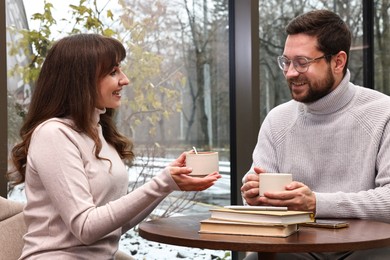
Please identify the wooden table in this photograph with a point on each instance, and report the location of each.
(183, 231)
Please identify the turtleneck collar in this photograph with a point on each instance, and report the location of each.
(97, 114)
(334, 101)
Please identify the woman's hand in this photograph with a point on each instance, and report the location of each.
(180, 175)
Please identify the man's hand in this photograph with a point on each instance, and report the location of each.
(297, 196)
(250, 188)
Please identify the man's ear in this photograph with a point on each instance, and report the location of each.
(340, 60)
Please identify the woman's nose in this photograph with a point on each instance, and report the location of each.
(124, 80)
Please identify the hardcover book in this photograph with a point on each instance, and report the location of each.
(262, 216)
(216, 226)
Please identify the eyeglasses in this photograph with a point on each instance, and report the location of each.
(301, 64)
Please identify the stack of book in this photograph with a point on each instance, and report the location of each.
(254, 221)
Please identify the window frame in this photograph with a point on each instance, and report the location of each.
(244, 89)
(3, 101)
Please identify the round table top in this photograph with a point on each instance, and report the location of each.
(183, 231)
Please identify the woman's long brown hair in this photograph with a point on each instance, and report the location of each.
(67, 88)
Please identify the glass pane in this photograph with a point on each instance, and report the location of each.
(178, 96)
(274, 16)
(381, 46)
(19, 92)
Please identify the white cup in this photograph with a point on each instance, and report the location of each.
(202, 163)
(273, 182)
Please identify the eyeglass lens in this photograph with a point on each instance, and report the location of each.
(300, 63)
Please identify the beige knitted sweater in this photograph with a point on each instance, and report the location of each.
(339, 146)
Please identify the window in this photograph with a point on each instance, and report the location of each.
(168, 62)
(178, 66)
(380, 37)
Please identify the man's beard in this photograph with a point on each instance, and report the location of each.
(316, 90)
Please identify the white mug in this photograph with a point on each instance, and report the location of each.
(273, 182)
(202, 163)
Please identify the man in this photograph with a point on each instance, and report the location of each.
(333, 136)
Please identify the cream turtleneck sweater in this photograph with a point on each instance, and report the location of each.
(77, 208)
(339, 146)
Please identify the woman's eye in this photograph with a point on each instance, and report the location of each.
(113, 72)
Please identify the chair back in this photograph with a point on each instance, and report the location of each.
(12, 229)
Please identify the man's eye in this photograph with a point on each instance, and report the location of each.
(301, 62)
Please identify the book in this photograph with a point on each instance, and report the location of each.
(255, 207)
(262, 216)
(216, 226)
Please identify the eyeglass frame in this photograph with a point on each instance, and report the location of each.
(306, 66)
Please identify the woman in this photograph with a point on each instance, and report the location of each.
(71, 156)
